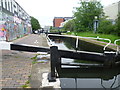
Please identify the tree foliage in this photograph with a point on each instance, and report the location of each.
(118, 25)
(35, 24)
(70, 25)
(106, 27)
(85, 15)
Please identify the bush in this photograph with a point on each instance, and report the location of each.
(69, 26)
(106, 27)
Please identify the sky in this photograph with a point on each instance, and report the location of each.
(45, 10)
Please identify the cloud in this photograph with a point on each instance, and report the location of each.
(46, 10)
(108, 2)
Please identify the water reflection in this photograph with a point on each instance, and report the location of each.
(89, 77)
(70, 43)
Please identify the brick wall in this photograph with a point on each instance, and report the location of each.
(58, 21)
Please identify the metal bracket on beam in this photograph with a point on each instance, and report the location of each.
(110, 57)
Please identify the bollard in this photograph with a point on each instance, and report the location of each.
(54, 58)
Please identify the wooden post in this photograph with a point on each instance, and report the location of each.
(54, 58)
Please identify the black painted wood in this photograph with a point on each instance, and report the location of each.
(29, 48)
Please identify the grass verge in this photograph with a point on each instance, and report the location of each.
(90, 34)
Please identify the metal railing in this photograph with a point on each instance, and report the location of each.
(97, 38)
(109, 41)
(115, 42)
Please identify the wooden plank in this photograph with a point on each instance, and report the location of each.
(29, 48)
(86, 65)
(82, 55)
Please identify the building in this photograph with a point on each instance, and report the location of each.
(14, 21)
(58, 20)
(63, 23)
(112, 10)
(46, 28)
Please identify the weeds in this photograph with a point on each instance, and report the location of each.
(26, 84)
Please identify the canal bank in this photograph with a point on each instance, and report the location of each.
(92, 40)
(18, 68)
(40, 63)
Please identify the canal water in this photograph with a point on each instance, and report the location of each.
(89, 77)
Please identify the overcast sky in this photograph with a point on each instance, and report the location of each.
(46, 10)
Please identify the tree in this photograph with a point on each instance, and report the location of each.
(35, 24)
(85, 15)
(106, 27)
(51, 27)
(70, 25)
(118, 25)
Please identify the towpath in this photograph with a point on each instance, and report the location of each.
(17, 66)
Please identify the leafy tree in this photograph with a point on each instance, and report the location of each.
(118, 25)
(70, 25)
(85, 15)
(106, 27)
(35, 24)
(51, 27)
